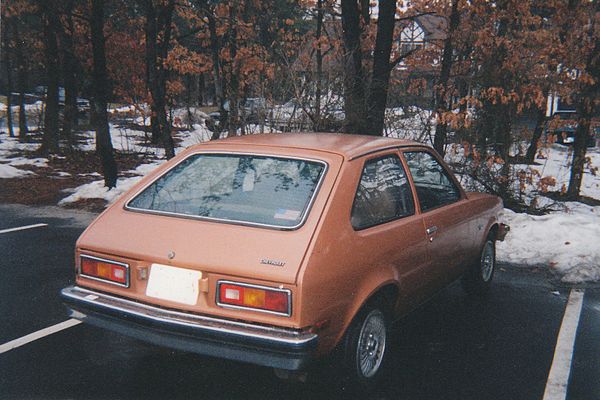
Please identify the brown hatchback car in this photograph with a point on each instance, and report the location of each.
(278, 249)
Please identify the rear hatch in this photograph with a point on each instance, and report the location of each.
(248, 252)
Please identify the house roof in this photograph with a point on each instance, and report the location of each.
(435, 26)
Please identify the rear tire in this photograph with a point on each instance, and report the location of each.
(478, 280)
(366, 347)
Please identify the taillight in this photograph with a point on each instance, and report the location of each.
(104, 270)
(260, 298)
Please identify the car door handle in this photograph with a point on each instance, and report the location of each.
(431, 230)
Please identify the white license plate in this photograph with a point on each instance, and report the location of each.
(174, 284)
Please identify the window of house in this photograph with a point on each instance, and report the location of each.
(411, 37)
(383, 194)
(433, 184)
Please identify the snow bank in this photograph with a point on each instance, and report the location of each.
(123, 139)
(37, 162)
(7, 171)
(198, 135)
(97, 190)
(8, 148)
(8, 145)
(567, 242)
(34, 107)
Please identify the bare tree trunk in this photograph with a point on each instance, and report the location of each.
(354, 85)
(215, 49)
(234, 119)
(9, 116)
(21, 82)
(441, 100)
(588, 98)
(51, 116)
(319, 73)
(201, 89)
(70, 78)
(378, 92)
(150, 59)
(165, 17)
(104, 146)
(579, 151)
(158, 37)
(540, 121)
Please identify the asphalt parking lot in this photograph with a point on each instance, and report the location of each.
(503, 347)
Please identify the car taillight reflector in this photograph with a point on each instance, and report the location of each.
(255, 297)
(105, 270)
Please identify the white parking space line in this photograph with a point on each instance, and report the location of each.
(13, 344)
(22, 228)
(558, 378)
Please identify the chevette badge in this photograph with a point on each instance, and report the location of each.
(275, 263)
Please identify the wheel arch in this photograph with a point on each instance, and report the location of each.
(491, 229)
(387, 292)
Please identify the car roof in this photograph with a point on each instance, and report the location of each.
(347, 145)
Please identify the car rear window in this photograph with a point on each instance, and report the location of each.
(240, 188)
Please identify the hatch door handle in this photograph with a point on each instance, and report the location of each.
(431, 230)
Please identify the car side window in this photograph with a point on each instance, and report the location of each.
(383, 193)
(433, 184)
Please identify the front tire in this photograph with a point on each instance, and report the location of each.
(478, 279)
(366, 346)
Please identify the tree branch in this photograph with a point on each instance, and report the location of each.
(190, 33)
(415, 16)
(401, 57)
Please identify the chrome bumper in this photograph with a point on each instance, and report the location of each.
(263, 345)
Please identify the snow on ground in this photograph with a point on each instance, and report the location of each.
(128, 109)
(554, 164)
(97, 190)
(557, 163)
(123, 139)
(7, 171)
(567, 242)
(567, 239)
(9, 148)
(198, 135)
(412, 123)
(34, 107)
(129, 140)
(37, 162)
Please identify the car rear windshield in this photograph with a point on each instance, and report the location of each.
(241, 188)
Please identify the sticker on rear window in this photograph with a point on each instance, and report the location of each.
(290, 215)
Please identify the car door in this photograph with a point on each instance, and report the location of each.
(444, 210)
(388, 229)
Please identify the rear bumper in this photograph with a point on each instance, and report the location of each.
(262, 345)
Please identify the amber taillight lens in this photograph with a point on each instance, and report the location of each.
(105, 270)
(260, 298)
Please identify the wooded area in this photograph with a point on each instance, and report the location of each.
(342, 66)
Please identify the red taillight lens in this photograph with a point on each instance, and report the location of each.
(105, 270)
(257, 297)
